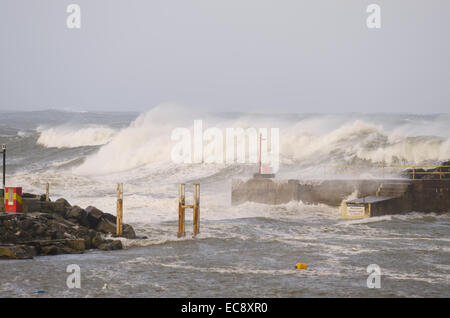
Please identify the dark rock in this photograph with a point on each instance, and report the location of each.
(78, 214)
(105, 226)
(109, 245)
(47, 216)
(91, 233)
(24, 235)
(31, 205)
(17, 252)
(87, 243)
(111, 218)
(42, 198)
(128, 232)
(60, 206)
(55, 247)
(93, 215)
(50, 250)
(77, 245)
(88, 239)
(58, 235)
(97, 240)
(39, 197)
(81, 231)
(56, 228)
(39, 229)
(28, 195)
(26, 224)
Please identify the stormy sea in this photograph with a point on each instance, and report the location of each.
(246, 250)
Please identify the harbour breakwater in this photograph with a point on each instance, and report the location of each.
(425, 195)
(359, 197)
(51, 228)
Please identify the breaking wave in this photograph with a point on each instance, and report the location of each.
(364, 141)
(305, 141)
(71, 137)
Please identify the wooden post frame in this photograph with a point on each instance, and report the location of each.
(119, 215)
(182, 208)
(4, 171)
(196, 209)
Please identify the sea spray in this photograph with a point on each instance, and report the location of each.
(305, 141)
(68, 136)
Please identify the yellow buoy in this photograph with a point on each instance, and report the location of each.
(301, 266)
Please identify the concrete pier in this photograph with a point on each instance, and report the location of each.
(374, 197)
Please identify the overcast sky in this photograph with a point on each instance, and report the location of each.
(226, 55)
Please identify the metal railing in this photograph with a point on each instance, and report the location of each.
(413, 170)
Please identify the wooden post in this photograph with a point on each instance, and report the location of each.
(196, 209)
(47, 192)
(181, 209)
(119, 215)
(414, 173)
(440, 172)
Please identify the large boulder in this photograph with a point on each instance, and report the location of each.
(93, 215)
(111, 218)
(96, 240)
(128, 232)
(110, 245)
(55, 247)
(57, 228)
(106, 226)
(60, 206)
(50, 250)
(78, 214)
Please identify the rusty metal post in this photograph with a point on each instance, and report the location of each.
(196, 209)
(47, 192)
(4, 170)
(121, 209)
(181, 209)
(119, 215)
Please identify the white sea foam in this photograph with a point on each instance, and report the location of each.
(335, 250)
(305, 143)
(67, 136)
